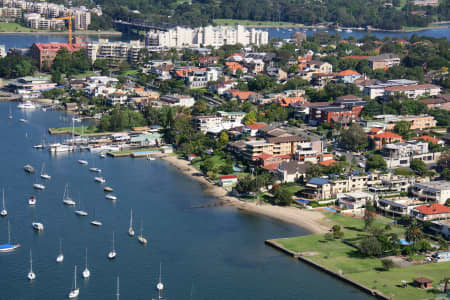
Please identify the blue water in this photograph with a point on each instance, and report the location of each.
(436, 33)
(26, 40)
(330, 209)
(213, 253)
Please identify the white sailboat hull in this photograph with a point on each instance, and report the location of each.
(74, 293)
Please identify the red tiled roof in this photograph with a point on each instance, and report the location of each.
(432, 209)
(375, 130)
(284, 156)
(256, 126)
(228, 177)
(327, 163)
(264, 156)
(55, 47)
(243, 95)
(387, 135)
(233, 66)
(427, 138)
(271, 167)
(348, 73)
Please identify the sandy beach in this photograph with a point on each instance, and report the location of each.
(313, 221)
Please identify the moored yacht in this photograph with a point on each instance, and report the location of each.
(111, 197)
(112, 254)
(26, 105)
(100, 179)
(32, 200)
(4, 212)
(31, 275)
(66, 198)
(95, 170)
(83, 162)
(75, 291)
(8, 247)
(39, 186)
(28, 169)
(37, 226)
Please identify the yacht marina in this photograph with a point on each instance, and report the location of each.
(161, 197)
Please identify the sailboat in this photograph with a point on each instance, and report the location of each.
(66, 198)
(117, 293)
(79, 211)
(31, 275)
(160, 285)
(96, 222)
(112, 254)
(130, 229)
(43, 174)
(83, 162)
(86, 272)
(60, 257)
(110, 197)
(100, 179)
(8, 247)
(4, 212)
(75, 291)
(39, 186)
(141, 238)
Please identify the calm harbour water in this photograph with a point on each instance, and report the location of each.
(26, 40)
(214, 253)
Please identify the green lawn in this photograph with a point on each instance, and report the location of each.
(14, 27)
(340, 257)
(77, 130)
(251, 23)
(135, 150)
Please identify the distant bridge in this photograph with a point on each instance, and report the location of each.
(141, 25)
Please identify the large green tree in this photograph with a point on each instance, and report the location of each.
(354, 138)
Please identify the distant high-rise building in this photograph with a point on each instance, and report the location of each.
(182, 37)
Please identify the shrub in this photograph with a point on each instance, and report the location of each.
(387, 264)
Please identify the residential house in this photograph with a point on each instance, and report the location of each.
(383, 138)
(177, 100)
(348, 76)
(208, 60)
(440, 102)
(402, 154)
(240, 95)
(115, 98)
(291, 171)
(200, 78)
(384, 61)
(233, 67)
(284, 144)
(431, 212)
(278, 73)
(434, 191)
(228, 180)
(397, 207)
(441, 227)
(252, 129)
(354, 200)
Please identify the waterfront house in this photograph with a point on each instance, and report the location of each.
(430, 212)
(397, 207)
(228, 180)
(291, 171)
(441, 227)
(434, 191)
(354, 200)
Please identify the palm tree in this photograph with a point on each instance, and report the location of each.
(413, 232)
(446, 280)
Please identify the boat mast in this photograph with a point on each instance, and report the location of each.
(86, 258)
(3, 191)
(60, 246)
(9, 233)
(31, 262)
(117, 294)
(113, 248)
(131, 219)
(75, 278)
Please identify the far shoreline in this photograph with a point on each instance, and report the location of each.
(84, 33)
(312, 221)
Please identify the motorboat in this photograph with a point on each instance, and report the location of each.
(86, 272)
(3, 212)
(74, 292)
(26, 105)
(22, 120)
(100, 179)
(32, 200)
(111, 197)
(40, 146)
(39, 186)
(108, 189)
(8, 247)
(58, 148)
(60, 257)
(66, 198)
(37, 226)
(112, 254)
(81, 212)
(31, 275)
(28, 169)
(83, 162)
(102, 155)
(95, 170)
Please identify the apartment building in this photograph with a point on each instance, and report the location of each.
(182, 37)
(177, 100)
(419, 122)
(384, 61)
(402, 154)
(397, 207)
(11, 13)
(413, 91)
(284, 145)
(36, 21)
(45, 53)
(354, 200)
(434, 191)
(253, 149)
(219, 122)
(82, 18)
(116, 51)
(200, 78)
(378, 89)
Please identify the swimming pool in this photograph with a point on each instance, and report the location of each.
(330, 209)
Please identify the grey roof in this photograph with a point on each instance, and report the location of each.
(293, 167)
(318, 181)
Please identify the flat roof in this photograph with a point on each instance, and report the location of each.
(438, 185)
